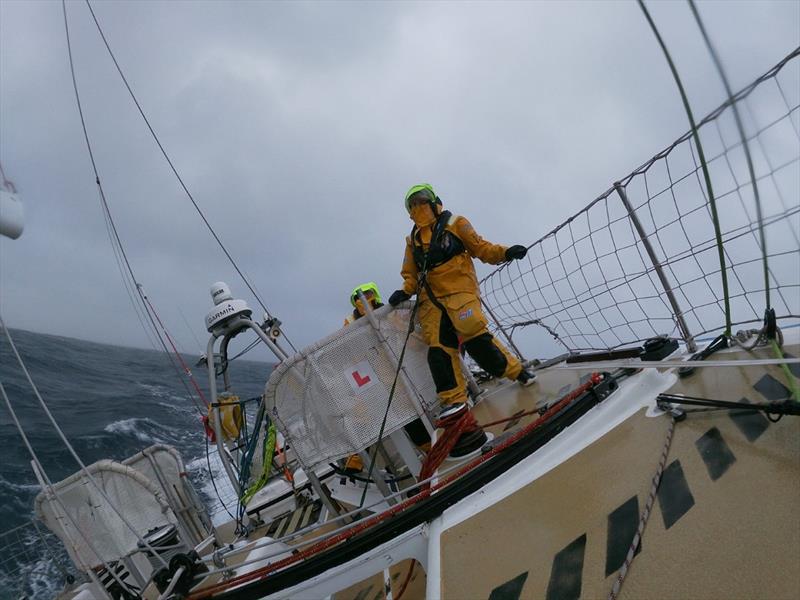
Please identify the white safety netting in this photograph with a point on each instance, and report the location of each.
(329, 399)
(101, 535)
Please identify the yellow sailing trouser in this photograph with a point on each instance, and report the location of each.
(462, 319)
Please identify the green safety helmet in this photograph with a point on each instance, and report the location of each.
(422, 190)
(364, 288)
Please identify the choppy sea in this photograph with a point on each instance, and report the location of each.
(111, 402)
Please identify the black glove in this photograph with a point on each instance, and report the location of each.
(516, 252)
(397, 297)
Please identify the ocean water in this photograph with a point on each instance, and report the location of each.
(111, 402)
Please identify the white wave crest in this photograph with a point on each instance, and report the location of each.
(39, 579)
(19, 487)
(177, 405)
(137, 427)
(198, 467)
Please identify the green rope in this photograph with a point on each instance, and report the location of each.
(745, 145)
(789, 377)
(267, 452)
(711, 199)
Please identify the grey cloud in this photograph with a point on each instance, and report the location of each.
(298, 127)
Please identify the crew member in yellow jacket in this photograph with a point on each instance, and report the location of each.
(416, 430)
(441, 246)
(373, 296)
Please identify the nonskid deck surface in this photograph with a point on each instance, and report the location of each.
(724, 524)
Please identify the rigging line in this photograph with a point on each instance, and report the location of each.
(174, 349)
(252, 345)
(189, 327)
(391, 392)
(129, 287)
(175, 367)
(175, 171)
(706, 175)
(104, 203)
(214, 483)
(51, 489)
(191, 395)
(745, 145)
(67, 444)
(49, 550)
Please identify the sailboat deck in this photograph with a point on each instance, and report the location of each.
(725, 512)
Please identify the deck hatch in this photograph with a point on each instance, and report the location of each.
(622, 525)
(567, 573)
(674, 495)
(511, 589)
(715, 453)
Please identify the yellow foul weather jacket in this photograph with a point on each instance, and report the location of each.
(456, 275)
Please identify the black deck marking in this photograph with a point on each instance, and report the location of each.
(794, 367)
(363, 593)
(567, 573)
(284, 526)
(771, 388)
(272, 527)
(750, 422)
(511, 589)
(515, 419)
(715, 453)
(622, 526)
(674, 495)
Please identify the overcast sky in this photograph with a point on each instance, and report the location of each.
(298, 128)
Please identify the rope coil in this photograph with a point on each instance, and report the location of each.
(454, 427)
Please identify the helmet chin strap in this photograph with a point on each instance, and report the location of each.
(436, 206)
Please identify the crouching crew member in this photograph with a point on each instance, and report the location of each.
(416, 430)
(373, 296)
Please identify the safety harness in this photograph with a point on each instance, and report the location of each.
(444, 244)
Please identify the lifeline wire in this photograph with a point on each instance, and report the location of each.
(177, 175)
